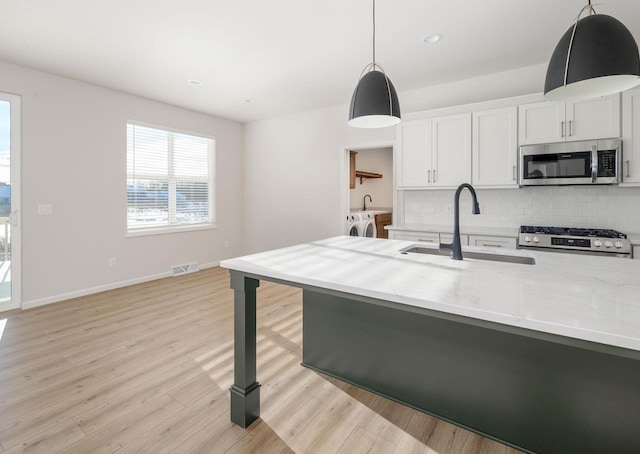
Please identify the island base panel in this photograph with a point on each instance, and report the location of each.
(536, 395)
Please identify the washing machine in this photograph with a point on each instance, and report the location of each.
(368, 224)
(353, 224)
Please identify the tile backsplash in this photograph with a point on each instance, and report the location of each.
(611, 207)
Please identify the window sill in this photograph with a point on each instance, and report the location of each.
(172, 229)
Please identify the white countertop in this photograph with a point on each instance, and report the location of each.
(585, 297)
(465, 230)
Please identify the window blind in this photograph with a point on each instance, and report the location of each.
(170, 178)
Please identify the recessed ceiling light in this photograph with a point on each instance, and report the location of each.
(194, 82)
(431, 38)
(250, 100)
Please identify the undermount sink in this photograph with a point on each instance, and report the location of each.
(495, 257)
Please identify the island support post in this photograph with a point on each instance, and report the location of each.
(245, 391)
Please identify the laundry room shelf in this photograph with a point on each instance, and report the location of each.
(363, 175)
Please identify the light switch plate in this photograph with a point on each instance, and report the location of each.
(45, 209)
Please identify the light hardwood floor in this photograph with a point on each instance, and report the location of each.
(147, 369)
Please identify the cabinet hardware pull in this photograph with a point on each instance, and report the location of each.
(570, 127)
(429, 176)
(425, 241)
(628, 167)
(491, 245)
(434, 176)
(562, 129)
(514, 173)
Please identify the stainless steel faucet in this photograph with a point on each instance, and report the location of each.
(364, 202)
(455, 247)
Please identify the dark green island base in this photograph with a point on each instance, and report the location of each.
(535, 391)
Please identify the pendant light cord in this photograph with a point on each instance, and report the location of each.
(374, 32)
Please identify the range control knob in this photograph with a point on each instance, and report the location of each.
(527, 239)
(536, 239)
(608, 244)
(597, 243)
(618, 244)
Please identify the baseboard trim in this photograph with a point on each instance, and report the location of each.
(10, 305)
(98, 289)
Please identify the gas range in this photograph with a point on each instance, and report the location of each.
(575, 240)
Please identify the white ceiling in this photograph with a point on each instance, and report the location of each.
(288, 55)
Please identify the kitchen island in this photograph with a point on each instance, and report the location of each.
(542, 357)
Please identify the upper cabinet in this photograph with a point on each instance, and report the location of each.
(631, 137)
(451, 150)
(414, 157)
(547, 122)
(495, 148)
(434, 152)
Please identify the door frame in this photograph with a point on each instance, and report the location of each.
(16, 229)
(344, 180)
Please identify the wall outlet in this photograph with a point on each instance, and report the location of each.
(226, 244)
(112, 262)
(45, 209)
(447, 209)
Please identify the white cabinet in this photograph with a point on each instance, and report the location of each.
(636, 252)
(448, 238)
(424, 237)
(547, 122)
(451, 151)
(414, 157)
(631, 137)
(541, 122)
(434, 152)
(493, 241)
(495, 148)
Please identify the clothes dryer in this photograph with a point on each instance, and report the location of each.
(368, 224)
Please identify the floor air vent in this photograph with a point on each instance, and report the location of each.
(184, 269)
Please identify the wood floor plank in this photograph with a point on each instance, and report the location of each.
(147, 369)
(50, 441)
(123, 430)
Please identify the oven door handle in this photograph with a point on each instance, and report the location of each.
(594, 163)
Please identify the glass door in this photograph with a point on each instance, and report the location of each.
(9, 197)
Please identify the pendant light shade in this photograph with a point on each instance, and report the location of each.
(374, 103)
(597, 56)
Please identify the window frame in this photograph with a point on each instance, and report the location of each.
(172, 180)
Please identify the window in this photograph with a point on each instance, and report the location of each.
(170, 180)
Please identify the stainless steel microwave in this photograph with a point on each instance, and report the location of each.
(586, 162)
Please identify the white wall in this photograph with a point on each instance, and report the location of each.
(73, 157)
(295, 165)
(376, 160)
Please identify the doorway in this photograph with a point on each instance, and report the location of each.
(9, 201)
(368, 180)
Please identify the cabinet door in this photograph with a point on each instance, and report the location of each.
(451, 150)
(631, 137)
(541, 122)
(414, 157)
(495, 148)
(597, 118)
(423, 237)
(447, 238)
(492, 241)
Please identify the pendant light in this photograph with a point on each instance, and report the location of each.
(597, 56)
(374, 103)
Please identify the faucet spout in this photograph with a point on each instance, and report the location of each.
(455, 247)
(364, 202)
